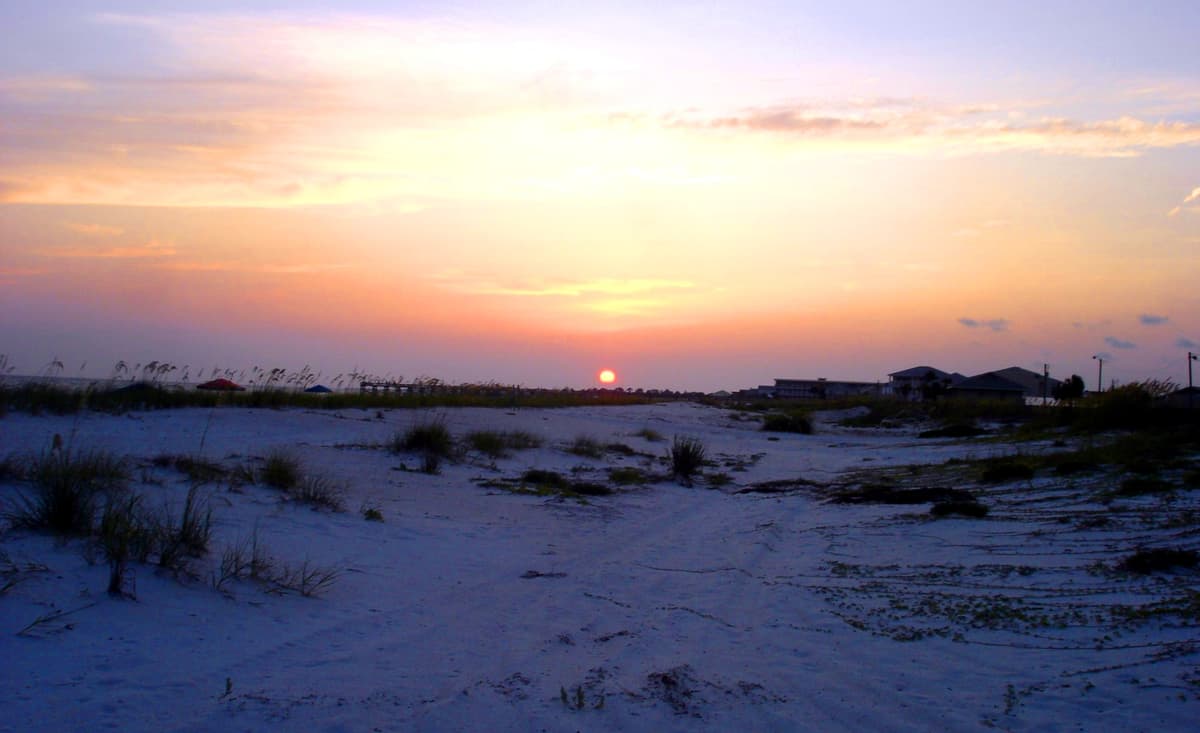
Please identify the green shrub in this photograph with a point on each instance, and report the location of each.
(687, 457)
(281, 470)
(788, 423)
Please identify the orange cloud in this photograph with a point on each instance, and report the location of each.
(153, 248)
(95, 230)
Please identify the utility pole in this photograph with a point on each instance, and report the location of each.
(1100, 373)
(1191, 358)
(1046, 381)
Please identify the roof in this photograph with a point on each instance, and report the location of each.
(919, 372)
(1030, 381)
(988, 382)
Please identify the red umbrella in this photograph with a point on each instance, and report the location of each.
(221, 385)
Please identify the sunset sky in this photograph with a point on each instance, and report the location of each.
(696, 195)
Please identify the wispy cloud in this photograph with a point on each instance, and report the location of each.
(919, 125)
(1149, 319)
(993, 324)
(10, 275)
(151, 249)
(1186, 343)
(234, 266)
(1117, 343)
(95, 230)
(562, 289)
(1193, 196)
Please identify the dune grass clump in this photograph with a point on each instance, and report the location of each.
(319, 492)
(281, 470)
(956, 430)
(971, 509)
(793, 422)
(997, 472)
(123, 534)
(498, 444)
(428, 436)
(627, 476)
(488, 442)
(199, 470)
(431, 438)
(687, 458)
(652, 436)
(1142, 485)
(1159, 559)
(586, 446)
(188, 536)
(67, 491)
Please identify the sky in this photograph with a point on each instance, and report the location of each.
(695, 195)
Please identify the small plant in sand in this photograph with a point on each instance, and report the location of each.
(371, 513)
(687, 458)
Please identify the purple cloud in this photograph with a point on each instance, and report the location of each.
(995, 324)
(1117, 343)
(1186, 343)
(1152, 320)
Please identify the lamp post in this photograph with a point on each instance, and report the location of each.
(1100, 373)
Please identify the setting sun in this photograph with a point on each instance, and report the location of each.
(608, 376)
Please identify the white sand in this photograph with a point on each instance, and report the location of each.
(679, 608)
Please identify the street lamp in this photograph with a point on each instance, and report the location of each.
(1100, 373)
